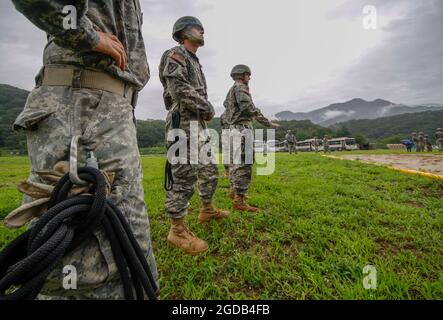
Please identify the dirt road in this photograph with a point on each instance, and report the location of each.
(425, 163)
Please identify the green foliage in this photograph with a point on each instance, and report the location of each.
(323, 220)
(396, 139)
(401, 125)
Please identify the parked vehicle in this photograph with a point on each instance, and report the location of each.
(342, 144)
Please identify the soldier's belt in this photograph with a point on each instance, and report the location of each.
(82, 78)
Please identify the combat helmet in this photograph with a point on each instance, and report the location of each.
(182, 23)
(240, 69)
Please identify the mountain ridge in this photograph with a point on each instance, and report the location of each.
(354, 109)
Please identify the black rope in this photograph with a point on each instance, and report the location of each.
(169, 178)
(28, 260)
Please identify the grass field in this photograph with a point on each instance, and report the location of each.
(323, 221)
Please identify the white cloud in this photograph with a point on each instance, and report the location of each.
(304, 54)
(331, 114)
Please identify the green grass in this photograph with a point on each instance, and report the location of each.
(323, 220)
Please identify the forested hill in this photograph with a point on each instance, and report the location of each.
(150, 133)
(400, 125)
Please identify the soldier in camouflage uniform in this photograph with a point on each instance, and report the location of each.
(91, 74)
(421, 142)
(428, 143)
(414, 139)
(291, 141)
(241, 112)
(326, 144)
(439, 138)
(185, 96)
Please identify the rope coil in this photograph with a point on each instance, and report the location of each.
(28, 260)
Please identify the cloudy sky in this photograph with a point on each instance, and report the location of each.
(304, 54)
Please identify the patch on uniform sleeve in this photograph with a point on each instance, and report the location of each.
(178, 57)
(172, 66)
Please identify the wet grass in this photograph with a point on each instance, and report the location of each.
(323, 220)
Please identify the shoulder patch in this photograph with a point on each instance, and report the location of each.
(178, 57)
(172, 67)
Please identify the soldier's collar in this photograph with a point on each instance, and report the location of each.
(192, 54)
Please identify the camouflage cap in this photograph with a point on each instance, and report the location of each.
(182, 23)
(439, 129)
(240, 69)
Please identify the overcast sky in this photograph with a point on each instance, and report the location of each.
(304, 54)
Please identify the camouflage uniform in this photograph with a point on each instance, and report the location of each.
(241, 113)
(326, 145)
(439, 138)
(291, 141)
(421, 142)
(428, 144)
(186, 94)
(53, 114)
(414, 139)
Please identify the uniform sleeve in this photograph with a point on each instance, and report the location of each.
(244, 101)
(247, 106)
(181, 90)
(48, 15)
(259, 117)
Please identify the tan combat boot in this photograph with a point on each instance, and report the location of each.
(241, 205)
(209, 212)
(181, 237)
(232, 194)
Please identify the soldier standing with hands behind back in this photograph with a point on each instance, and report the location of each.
(291, 141)
(186, 99)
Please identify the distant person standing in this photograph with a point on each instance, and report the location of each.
(291, 142)
(439, 138)
(428, 143)
(315, 144)
(326, 144)
(414, 139)
(421, 142)
(408, 144)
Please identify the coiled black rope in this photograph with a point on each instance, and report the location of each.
(169, 178)
(28, 260)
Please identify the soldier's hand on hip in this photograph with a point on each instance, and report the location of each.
(111, 46)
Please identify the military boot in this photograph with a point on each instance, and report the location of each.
(209, 212)
(183, 238)
(241, 205)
